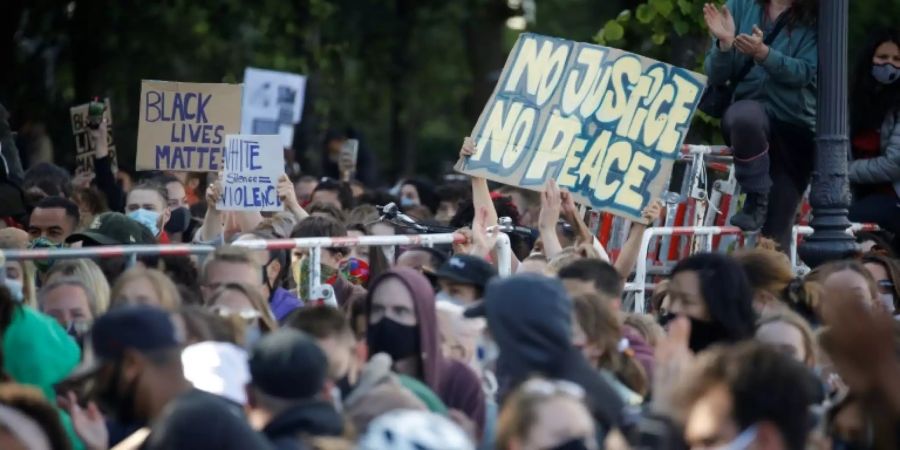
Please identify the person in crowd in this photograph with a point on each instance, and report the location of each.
(142, 286)
(874, 172)
(527, 203)
(28, 421)
(410, 429)
(245, 304)
(593, 276)
(721, 398)
(402, 322)
(529, 318)
(148, 204)
(878, 241)
(425, 260)
(647, 328)
(546, 414)
(450, 196)
(596, 330)
(771, 121)
(217, 367)
(713, 292)
(329, 327)
(345, 292)
(366, 169)
(138, 370)
(52, 221)
(11, 157)
(418, 192)
(180, 223)
(113, 228)
(333, 192)
(46, 180)
(90, 274)
(535, 263)
(19, 276)
(327, 210)
(886, 272)
(789, 333)
(71, 303)
(846, 279)
(36, 351)
(91, 203)
(289, 375)
(304, 187)
(463, 278)
(774, 284)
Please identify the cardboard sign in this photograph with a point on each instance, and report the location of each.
(84, 146)
(183, 125)
(273, 103)
(606, 124)
(252, 166)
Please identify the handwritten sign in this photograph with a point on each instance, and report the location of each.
(183, 125)
(273, 103)
(253, 164)
(84, 146)
(606, 124)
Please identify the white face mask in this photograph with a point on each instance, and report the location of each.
(443, 296)
(888, 301)
(15, 289)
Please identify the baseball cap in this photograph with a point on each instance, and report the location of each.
(288, 364)
(518, 294)
(113, 228)
(140, 327)
(467, 269)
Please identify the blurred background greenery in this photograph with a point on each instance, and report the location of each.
(411, 75)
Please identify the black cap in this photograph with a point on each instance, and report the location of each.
(525, 291)
(114, 228)
(467, 269)
(140, 327)
(288, 364)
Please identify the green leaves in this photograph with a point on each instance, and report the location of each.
(663, 7)
(644, 13)
(613, 31)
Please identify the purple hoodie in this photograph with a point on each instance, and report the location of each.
(455, 383)
(283, 302)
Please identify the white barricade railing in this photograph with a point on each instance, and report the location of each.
(504, 251)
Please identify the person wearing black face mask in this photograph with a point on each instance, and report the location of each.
(875, 133)
(713, 292)
(138, 379)
(402, 322)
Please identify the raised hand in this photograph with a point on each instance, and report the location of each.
(673, 359)
(752, 45)
(468, 148)
(98, 138)
(87, 422)
(484, 240)
(652, 211)
(720, 23)
(286, 191)
(551, 206)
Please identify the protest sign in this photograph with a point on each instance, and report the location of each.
(606, 124)
(183, 126)
(273, 103)
(84, 146)
(253, 164)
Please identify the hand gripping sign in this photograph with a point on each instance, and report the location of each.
(606, 124)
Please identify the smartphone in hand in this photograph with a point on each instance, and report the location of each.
(349, 156)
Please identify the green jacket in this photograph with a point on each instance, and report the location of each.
(424, 393)
(39, 352)
(785, 82)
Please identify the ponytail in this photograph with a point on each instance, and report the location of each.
(803, 297)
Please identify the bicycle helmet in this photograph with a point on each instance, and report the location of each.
(414, 430)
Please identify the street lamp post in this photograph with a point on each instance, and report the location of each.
(830, 195)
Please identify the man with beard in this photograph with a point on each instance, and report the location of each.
(137, 370)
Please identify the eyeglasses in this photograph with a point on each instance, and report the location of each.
(247, 315)
(549, 388)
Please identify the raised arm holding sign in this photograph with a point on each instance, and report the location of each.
(605, 124)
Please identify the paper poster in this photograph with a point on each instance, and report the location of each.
(84, 146)
(253, 164)
(606, 124)
(183, 125)
(273, 103)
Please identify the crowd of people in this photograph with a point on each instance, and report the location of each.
(427, 347)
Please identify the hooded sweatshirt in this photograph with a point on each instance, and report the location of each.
(454, 382)
(530, 318)
(309, 419)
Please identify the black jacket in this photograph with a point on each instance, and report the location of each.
(309, 419)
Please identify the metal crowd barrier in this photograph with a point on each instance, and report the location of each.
(504, 251)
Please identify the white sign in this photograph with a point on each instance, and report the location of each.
(253, 164)
(273, 102)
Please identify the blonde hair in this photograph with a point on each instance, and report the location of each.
(90, 274)
(267, 319)
(647, 326)
(821, 273)
(769, 270)
(810, 347)
(165, 289)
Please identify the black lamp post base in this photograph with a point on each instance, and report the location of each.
(830, 240)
